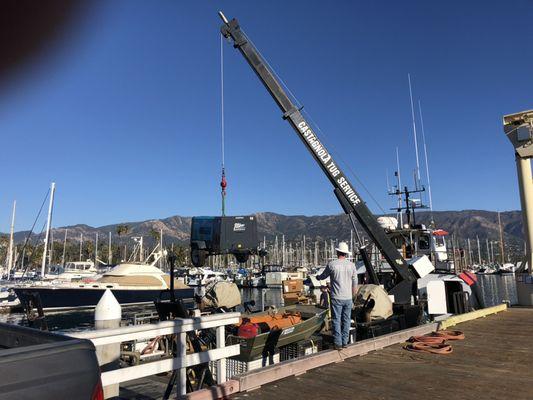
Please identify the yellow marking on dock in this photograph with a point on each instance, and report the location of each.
(456, 319)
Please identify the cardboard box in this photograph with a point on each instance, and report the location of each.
(293, 286)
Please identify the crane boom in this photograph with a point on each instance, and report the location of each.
(349, 198)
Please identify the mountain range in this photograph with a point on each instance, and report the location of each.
(176, 229)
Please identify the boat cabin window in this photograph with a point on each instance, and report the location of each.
(439, 240)
(424, 242)
(398, 241)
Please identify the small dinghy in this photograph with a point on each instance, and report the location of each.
(260, 333)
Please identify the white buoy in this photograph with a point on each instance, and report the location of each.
(107, 315)
(107, 309)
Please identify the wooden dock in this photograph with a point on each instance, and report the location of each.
(494, 362)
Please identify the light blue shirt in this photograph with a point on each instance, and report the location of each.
(343, 277)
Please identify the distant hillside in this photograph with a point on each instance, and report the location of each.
(176, 229)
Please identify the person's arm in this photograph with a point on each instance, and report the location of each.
(354, 281)
(324, 273)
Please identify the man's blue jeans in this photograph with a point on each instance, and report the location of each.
(341, 318)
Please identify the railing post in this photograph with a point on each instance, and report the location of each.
(221, 364)
(181, 353)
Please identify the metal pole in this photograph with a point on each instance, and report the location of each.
(81, 245)
(11, 240)
(96, 251)
(64, 248)
(161, 248)
(417, 174)
(109, 252)
(48, 223)
(478, 250)
(469, 252)
(502, 251)
(303, 252)
(283, 260)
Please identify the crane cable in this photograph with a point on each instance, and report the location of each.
(319, 133)
(223, 183)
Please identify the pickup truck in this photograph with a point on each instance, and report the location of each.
(44, 365)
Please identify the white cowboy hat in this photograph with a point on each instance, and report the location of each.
(343, 248)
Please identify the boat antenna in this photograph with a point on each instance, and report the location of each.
(399, 187)
(223, 182)
(417, 174)
(426, 162)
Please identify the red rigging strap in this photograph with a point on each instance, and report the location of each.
(468, 277)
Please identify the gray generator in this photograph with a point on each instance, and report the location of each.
(223, 235)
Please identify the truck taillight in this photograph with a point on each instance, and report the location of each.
(98, 391)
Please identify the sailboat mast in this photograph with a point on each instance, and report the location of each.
(478, 251)
(303, 252)
(64, 248)
(81, 245)
(109, 251)
(161, 259)
(11, 240)
(417, 175)
(283, 260)
(48, 224)
(469, 252)
(96, 250)
(501, 239)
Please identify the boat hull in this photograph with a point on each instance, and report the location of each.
(58, 298)
(254, 348)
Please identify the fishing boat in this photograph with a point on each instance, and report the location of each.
(275, 328)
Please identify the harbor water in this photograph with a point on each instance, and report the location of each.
(495, 289)
(78, 320)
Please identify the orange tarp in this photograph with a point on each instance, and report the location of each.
(276, 321)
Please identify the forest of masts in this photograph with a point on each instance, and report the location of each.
(304, 252)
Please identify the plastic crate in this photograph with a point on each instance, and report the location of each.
(236, 367)
(301, 348)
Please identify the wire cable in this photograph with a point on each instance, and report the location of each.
(222, 99)
(32, 227)
(300, 106)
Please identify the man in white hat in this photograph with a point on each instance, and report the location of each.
(343, 281)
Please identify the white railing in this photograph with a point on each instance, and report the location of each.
(180, 327)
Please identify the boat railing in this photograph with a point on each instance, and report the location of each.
(182, 359)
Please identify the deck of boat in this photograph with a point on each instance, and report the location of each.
(494, 362)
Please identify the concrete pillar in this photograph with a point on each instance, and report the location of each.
(518, 128)
(525, 180)
(107, 315)
(524, 283)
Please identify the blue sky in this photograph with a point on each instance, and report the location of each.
(124, 114)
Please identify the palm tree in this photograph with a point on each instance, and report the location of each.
(122, 229)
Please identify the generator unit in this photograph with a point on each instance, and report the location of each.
(223, 235)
